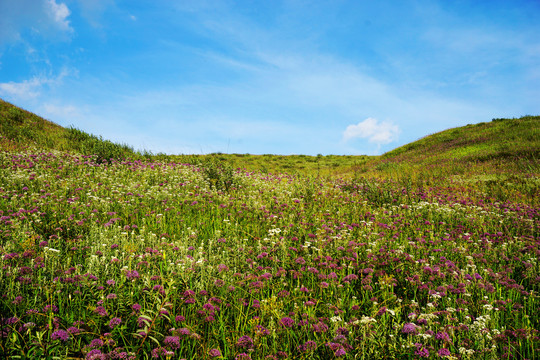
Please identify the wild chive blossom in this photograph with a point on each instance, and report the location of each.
(444, 352)
(320, 327)
(421, 351)
(183, 332)
(443, 336)
(114, 322)
(96, 343)
(132, 274)
(245, 342)
(214, 353)
(308, 346)
(101, 311)
(287, 322)
(73, 330)
(18, 300)
(242, 356)
(409, 328)
(61, 335)
(172, 341)
(95, 354)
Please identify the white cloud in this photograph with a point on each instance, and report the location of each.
(59, 14)
(48, 18)
(378, 133)
(30, 89)
(24, 90)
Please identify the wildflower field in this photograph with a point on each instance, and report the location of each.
(147, 258)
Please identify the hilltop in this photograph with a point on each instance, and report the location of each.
(20, 128)
(500, 146)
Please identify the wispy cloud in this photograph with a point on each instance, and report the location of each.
(31, 88)
(48, 18)
(59, 13)
(25, 90)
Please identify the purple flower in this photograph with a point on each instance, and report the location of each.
(214, 353)
(381, 311)
(444, 352)
(111, 296)
(132, 274)
(61, 335)
(340, 352)
(350, 277)
(208, 307)
(261, 331)
(114, 322)
(421, 351)
(183, 332)
(101, 311)
(287, 322)
(308, 346)
(245, 342)
(73, 330)
(172, 341)
(242, 356)
(320, 327)
(161, 352)
(136, 307)
(408, 328)
(443, 336)
(95, 354)
(96, 343)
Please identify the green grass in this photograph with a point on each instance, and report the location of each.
(409, 255)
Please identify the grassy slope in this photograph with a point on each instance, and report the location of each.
(20, 128)
(502, 146)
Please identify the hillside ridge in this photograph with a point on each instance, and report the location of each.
(502, 145)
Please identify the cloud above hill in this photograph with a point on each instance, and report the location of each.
(370, 129)
(48, 18)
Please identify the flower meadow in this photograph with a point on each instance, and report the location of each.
(163, 260)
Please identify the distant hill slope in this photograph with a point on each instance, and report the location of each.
(20, 128)
(499, 146)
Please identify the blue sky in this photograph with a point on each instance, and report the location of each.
(270, 77)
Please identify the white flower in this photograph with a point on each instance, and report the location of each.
(367, 320)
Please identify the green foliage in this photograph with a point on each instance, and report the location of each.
(23, 128)
(104, 150)
(219, 174)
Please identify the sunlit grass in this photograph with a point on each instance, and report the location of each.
(268, 257)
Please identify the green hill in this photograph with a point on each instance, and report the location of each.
(20, 129)
(502, 146)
